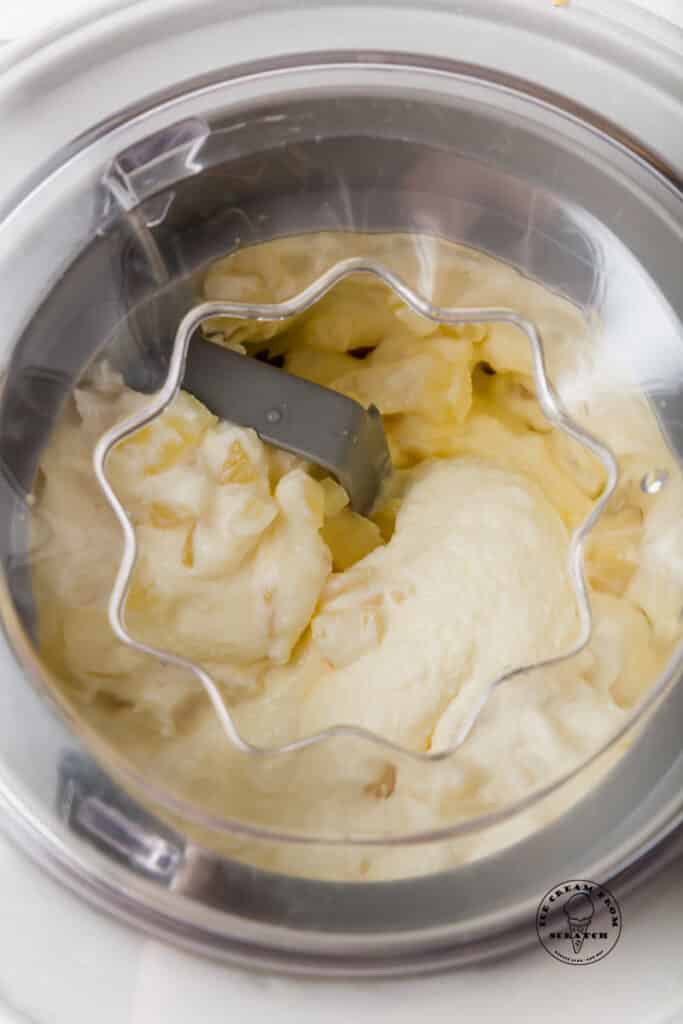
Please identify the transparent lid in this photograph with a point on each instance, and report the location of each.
(525, 560)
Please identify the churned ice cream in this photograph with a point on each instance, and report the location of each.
(253, 564)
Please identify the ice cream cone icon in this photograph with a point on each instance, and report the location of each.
(579, 910)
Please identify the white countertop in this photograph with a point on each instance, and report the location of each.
(63, 963)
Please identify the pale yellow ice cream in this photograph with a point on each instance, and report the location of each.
(308, 615)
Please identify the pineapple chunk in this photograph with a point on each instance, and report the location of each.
(320, 366)
(335, 496)
(507, 349)
(350, 537)
(354, 314)
(235, 455)
(384, 785)
(188, 548)
(237, 467)
(345, 635)
(614, 549)
(384, 516)
(512, 398)
(164, 442)
(411, 439)
(425, 384)
(165, 517)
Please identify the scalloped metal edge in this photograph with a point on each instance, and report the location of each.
(550, 404)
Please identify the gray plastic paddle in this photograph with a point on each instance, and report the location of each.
(318, 424)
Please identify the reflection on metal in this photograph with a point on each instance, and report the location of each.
(653, 481)
(316, 423)
(110, 821)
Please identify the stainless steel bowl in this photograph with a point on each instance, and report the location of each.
(519, 131)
